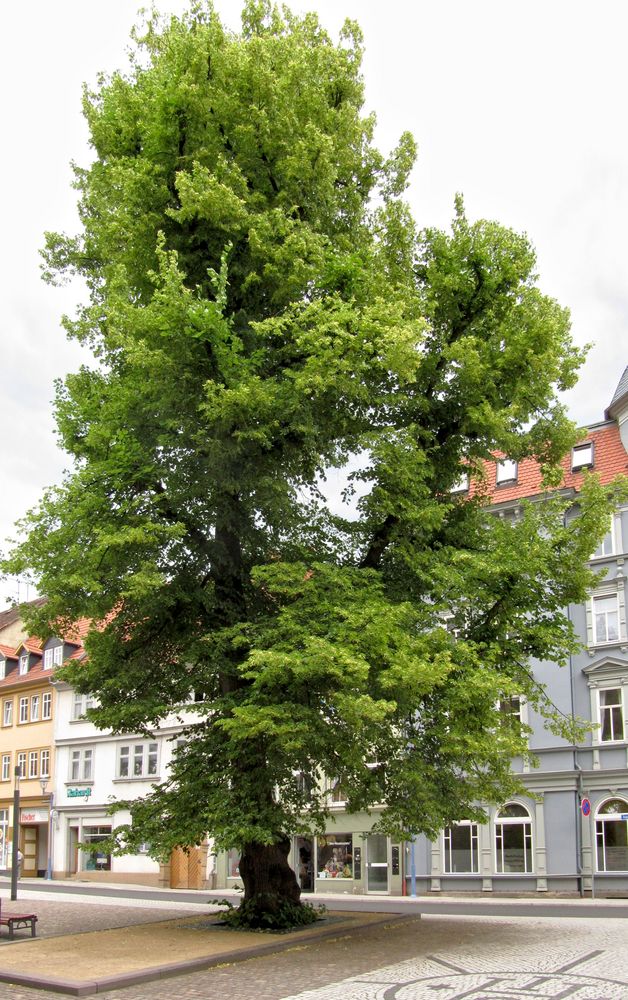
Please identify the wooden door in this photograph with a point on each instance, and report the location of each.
(29, 850)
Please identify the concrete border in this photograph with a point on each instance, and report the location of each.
(89, 987)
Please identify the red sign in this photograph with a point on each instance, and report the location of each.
(585, 805)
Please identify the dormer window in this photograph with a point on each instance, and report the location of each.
(506, 471)
(23, 666)
(3, 668)
(461, 485)
(53, 656)
(582, 456)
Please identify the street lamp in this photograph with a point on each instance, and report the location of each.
(44, 785)
(16, 834)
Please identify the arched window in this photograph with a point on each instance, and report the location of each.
(611, 829)
(513, 839)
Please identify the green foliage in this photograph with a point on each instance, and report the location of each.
(283, 916)
(261, 307)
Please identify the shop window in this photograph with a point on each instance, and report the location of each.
(606, 619)
(7, 713)
(46, 705)
(233, 863)
(4, 839)
(513, 840)
(137, 760)
(334, 857)
(611, 715)
(81, 764)
(93, 858)
(461, 848)
(611, 828)
(6, 767)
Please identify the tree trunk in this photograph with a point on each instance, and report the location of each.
(268, 879)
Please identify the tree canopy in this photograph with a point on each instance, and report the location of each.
(263, 309)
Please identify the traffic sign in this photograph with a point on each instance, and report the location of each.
(585, 805)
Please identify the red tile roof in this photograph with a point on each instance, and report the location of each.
(8, 651)
(609, 456)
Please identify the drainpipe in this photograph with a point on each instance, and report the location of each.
(579, 779)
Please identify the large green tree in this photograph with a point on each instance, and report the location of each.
(262, 309)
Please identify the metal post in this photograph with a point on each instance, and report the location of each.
(16, 834)
(50, 817)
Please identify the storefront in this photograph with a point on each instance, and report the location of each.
(32, 837)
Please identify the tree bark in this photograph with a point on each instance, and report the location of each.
(268, 878)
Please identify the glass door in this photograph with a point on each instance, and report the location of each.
(376, 863)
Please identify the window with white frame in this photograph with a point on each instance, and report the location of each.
(33, 763)
(46, 705)
(80, 704)
(82, 764)
(35, 708)
(137, 760)
(506, 471)
(513, 840)
(582, 456)
(461, 848)
(606, 618)
(7, 713)
(23, 664)
(510, 708)
(611, 834)
(611, 715)
(461, 484)
(44, 763)
(337, 793)
(3, 668)
(48, 658)
(6, 767)
(21, 763)
(23, 713)
(607, 545)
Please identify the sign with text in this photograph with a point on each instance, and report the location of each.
(79, 793)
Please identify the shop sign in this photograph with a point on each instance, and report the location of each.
(79, 793)
(33, 816)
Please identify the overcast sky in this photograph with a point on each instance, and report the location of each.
(519, 105)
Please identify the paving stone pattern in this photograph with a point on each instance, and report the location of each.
(440, 957)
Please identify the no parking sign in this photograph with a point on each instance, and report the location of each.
(585, 805)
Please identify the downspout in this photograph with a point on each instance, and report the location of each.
(579, 779)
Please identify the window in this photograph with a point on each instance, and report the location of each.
(44, 764)
(334, 857)
(233, 863)
(93, 858)
(5, 838)
(606, 619)
(7, 714)
(46, 705)
(23, 709)
(461, 848)
(137, 761)
(611, 715)
(35, 708)
(582, 456)
(510, 708)
(3, 668)
(6, 767)
(513, 839)
(81, 764)
(80, 705)
(48, 659)
(21, 764)
(607, 545)
(506, 471)
(611, 829)
(33, 762)
(337, 794)
(23, 664)
(461, 484)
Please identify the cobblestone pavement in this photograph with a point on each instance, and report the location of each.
(440, 957)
